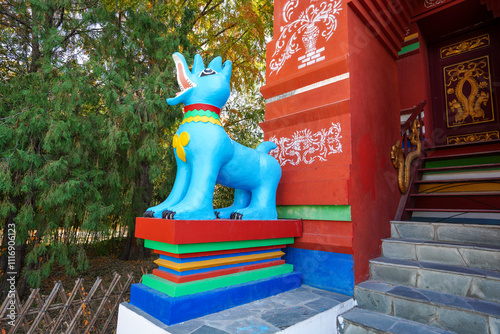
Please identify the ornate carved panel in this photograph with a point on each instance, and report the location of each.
(468, 94)
(473, 137)
(465, 46)
(432, 3)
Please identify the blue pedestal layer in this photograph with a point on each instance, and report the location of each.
(171, 310)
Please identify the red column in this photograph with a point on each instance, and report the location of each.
(332, 107)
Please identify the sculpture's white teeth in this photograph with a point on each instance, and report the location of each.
(182, 83)
(182, 78)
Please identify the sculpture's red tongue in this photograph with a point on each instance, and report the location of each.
(181, 76)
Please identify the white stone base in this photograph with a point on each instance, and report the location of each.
(132, 320)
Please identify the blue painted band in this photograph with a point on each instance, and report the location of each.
(221, 256)
(171, 310)
(204, 270)
(323, 270)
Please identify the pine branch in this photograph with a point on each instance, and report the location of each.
(11, 116)
(7, 25)
(61, 18)
(14, 18)
(77, 32)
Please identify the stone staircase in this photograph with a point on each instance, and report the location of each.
(440, 274)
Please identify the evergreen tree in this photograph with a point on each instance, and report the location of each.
(84, 127)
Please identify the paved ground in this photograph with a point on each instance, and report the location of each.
(269, 315)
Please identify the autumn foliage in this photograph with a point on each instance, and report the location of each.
(84, 127)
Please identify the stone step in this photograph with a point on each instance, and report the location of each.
(443, 232)
(459, 168)
(361, 321)
(457, 314)
(462, 175)
(450, 253)
(493, 152)
(460, 281)
(461, 180)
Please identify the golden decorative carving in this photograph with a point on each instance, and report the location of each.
(472, 137)
(432, 3)
(464, 46)
(468, 90)
(404, 165)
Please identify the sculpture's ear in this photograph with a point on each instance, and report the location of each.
(198, 65)
(216, 64)
(226, 70)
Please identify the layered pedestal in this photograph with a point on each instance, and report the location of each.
(209, 266)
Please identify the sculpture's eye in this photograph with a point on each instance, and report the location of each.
(207, 71)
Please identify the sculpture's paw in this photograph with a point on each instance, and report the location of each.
(167, 214)
(194, 215)
(224, 213)
(148, 214)
(250, 213)
(236, 216)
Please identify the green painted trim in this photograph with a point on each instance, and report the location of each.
(409, 48)
(201, 113)
(463, 161)
(315, 212)
(182, 289)
(215, 246)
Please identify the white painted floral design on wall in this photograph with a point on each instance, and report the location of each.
(307, 147)
(313, 22)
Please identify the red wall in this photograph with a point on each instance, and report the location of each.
(375, 124)
(411, 76)
(414, 84)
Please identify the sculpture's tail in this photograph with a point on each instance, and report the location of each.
(266, 146)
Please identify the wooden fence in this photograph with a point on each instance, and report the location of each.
(79, 311)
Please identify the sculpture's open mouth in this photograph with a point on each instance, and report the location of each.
(182, 78)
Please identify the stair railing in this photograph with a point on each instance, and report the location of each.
(404, 152)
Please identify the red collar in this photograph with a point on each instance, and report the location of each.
(200, 106)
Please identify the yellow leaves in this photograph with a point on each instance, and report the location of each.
(122, 5)
(237, 30)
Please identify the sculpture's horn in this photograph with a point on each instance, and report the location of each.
(216, 64)
(198, 65)
(226, 70)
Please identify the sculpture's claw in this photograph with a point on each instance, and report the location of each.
(236, 216)
(171, 215)
(148, 214)
(165, 214)
(217, 213)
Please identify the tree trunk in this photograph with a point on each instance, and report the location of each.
(132, 250)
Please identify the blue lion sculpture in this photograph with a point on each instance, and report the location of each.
(206, 155)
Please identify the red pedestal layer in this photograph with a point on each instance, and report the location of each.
(178, 232)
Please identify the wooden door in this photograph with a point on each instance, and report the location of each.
(465, 74)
